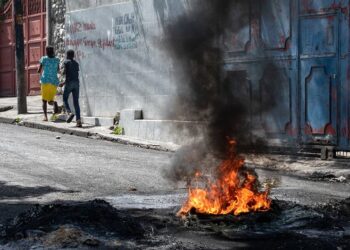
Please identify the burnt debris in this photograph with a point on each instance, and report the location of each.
(96, 224)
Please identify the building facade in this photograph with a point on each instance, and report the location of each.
(125, 65)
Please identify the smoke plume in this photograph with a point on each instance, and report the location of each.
(206, 91)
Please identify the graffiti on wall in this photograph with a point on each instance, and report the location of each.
(126, 31)
(77, 27)
(83, 36)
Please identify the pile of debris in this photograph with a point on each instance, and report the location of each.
(97, 224)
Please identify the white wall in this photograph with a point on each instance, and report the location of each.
(123, 68)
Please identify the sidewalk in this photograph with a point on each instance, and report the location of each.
(34, 117)
(305, 167)
(311, 168)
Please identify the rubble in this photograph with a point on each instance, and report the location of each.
(339, 179)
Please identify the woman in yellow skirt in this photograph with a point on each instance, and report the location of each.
(49, 65)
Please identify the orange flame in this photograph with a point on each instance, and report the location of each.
(231, 193)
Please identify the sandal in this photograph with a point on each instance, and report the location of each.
(70, 118)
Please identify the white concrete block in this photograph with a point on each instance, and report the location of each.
(98, 121)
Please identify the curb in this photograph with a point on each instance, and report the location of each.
(7, 120)
(326, 175)
(54, 129)
(131, 143)
(5, 108)
(85, 134)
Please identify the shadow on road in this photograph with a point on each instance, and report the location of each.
(10, 196)
(18, 192)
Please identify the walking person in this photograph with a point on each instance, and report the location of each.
(49, 67)
(71, 71)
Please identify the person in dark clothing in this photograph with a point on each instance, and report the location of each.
(71, 71)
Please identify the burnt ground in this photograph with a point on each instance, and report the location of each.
(96, 224)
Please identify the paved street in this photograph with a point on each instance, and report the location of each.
(91, 168)
(38, 167)
(35, 167)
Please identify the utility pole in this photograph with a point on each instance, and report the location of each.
(48, 23)
(20, 79)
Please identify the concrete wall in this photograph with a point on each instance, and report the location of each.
(123, 61)
(124, 64)
(73, 5)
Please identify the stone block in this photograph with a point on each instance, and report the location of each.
(98, 121)
(142, 129)
(150, 130)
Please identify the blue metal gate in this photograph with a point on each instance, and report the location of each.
(319, 77)
(308, 43)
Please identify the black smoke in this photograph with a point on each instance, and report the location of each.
(206, 92)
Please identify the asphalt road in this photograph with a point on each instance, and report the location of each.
(37, 167)
(90, 168)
